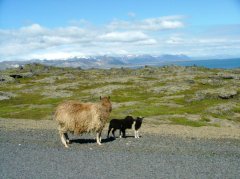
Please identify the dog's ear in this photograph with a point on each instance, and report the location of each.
(108, 97)
(100, 97)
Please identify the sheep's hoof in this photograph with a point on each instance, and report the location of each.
(68, 142)
(66, 146)
(99, 143)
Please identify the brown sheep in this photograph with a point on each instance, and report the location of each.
(78, 118)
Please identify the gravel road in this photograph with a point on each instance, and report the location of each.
(36, 153)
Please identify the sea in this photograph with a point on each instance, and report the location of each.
(218, 63)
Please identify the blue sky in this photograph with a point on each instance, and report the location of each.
(50, 29)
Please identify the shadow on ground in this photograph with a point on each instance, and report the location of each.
(84, 141)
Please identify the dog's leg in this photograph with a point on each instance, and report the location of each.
(109, 130)
(120, 133)
(113, 133)
(124, 133)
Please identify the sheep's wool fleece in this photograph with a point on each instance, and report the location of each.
(80, 117)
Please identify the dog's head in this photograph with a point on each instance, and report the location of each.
(139, 119)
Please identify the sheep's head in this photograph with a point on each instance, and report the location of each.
(105, 101)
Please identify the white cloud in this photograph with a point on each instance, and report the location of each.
(33, 39)
(154, 36)
(202, 46)
(32, 29)
(150, 24)
(129, 36)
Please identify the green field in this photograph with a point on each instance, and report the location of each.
(193, 96)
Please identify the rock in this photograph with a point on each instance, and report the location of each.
(213, 82)
(6, 95)
(16, 76)
(22, 75)
(223, 122)
(223, 93)
(27, 75)
(170, 88)
(221, 109)
(227, 93)
(6, 79)
(227, 76)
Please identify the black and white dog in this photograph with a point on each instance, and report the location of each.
(138, 124)
(123, 124)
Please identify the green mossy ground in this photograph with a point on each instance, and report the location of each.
(137, 92)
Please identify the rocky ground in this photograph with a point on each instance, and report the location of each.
(192, 96)
(30, 151)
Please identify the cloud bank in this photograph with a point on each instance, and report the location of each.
(154, 36)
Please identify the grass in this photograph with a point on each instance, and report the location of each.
(27, 113)
(183, 121)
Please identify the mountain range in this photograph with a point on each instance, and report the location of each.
(100, 61)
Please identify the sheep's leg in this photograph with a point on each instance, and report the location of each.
(99, 138)
(67, 138)
(63, 140)
(61, 132)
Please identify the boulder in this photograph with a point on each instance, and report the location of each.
(15, 76)
(6, 95)
(222, 93)
(227, 93)
(221, 109)
(6, 79)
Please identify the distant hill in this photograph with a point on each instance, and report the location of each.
(100, 61)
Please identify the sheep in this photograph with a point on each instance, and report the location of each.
(78, 118)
